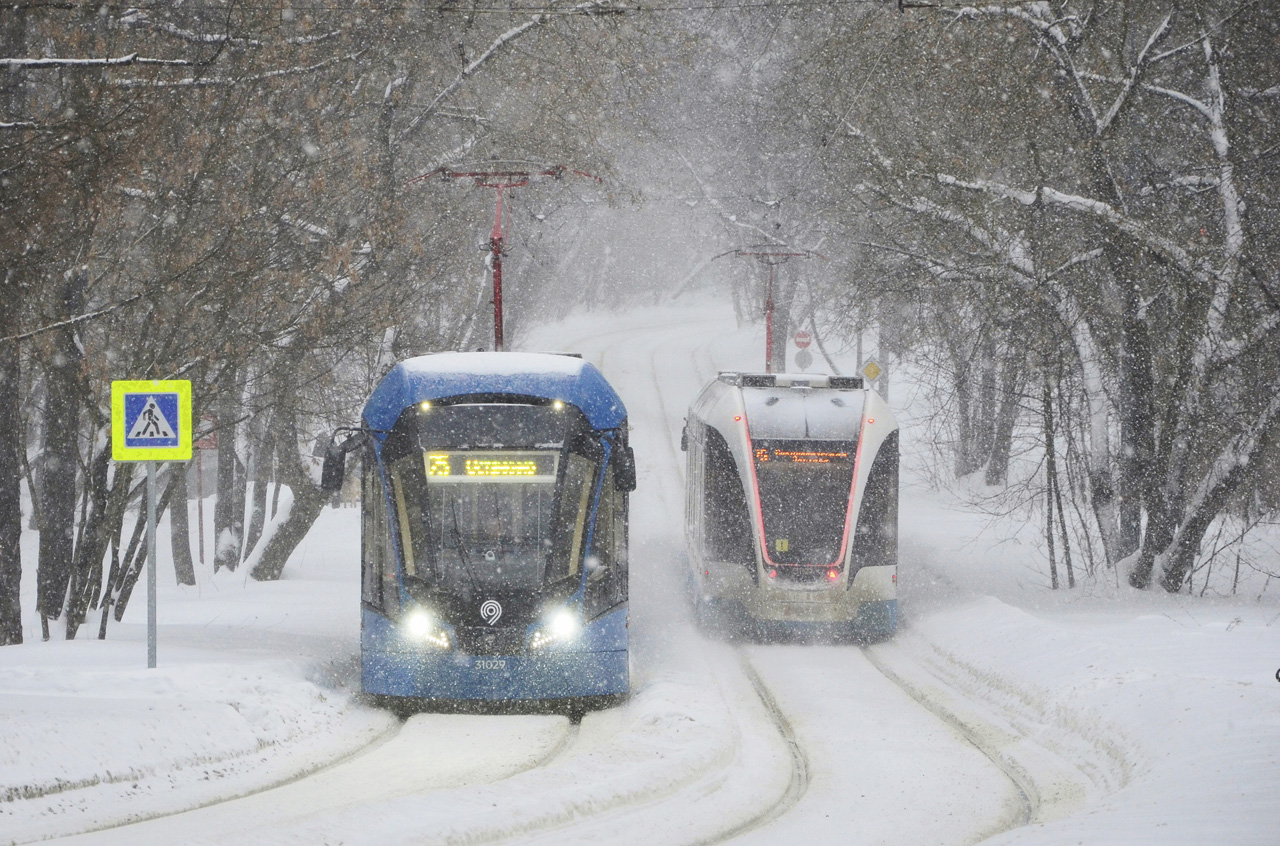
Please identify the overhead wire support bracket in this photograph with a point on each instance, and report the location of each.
(500, 180)
(770, 255)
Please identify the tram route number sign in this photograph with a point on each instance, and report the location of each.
(151, 420)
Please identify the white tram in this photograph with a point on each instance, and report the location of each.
(791, 505)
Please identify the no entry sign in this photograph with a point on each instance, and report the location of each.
(803, 339)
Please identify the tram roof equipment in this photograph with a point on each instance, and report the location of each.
(450, 374)
(791, 380)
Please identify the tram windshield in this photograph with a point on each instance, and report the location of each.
(501, 508)
(804, 495)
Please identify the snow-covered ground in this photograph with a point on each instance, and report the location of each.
(1003, 711)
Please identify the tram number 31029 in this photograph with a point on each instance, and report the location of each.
(491, 664)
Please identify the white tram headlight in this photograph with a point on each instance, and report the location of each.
(421, 627)
(561, 625)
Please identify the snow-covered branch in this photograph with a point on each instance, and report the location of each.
(310, 228)
(1097, 209)
(1273, 91)
(1185, 99)
(209, 81)
(56, 62)
(1135, 71)
(138, 18)
(74, 321)
(1056, 39)
(493, 49)
(1193, 183)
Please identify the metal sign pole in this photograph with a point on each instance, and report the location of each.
(151, 422)
(151, 565)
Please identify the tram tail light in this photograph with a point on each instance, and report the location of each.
(833, 574)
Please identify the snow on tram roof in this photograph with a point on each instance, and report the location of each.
(452, 374)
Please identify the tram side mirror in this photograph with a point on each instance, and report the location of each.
(684, 437)
(335, 460)
(624, 473)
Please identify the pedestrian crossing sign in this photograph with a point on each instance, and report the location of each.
(151, 420)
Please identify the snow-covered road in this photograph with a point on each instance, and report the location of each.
(946, 735)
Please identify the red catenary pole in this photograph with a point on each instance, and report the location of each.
(771, 256)
(500, 180)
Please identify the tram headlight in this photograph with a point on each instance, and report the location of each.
(561, 625)
(421, 627)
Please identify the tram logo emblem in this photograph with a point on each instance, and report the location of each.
(490, 611)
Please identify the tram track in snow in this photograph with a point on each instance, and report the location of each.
(1028, 803)
(1025, 803)
(798, 780)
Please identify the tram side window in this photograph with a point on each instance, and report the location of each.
(875, 541)
(571, 525)
(726, 521)
(693, 464)
(607, 578)
(375, 531)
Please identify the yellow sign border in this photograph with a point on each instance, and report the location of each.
(124, 387)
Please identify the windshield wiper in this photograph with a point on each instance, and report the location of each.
(463, 556)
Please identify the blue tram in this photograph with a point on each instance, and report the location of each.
(494, 532)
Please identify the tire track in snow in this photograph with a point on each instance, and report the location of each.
(1023, 783)
(799, 777)
(1059, 770)
(307, 771)
(1031, 791)
(799, 781)
(704, 368)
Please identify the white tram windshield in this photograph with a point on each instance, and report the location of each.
(489, 516)
(804, 495)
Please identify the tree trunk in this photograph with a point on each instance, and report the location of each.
(1006, 416)
(1050, 478)
(13, 30)
(259, 470)
(61, 458)
(180, 530)
(118, 501)
(136, 557)
(1134, 453)
(10, 475)
(86, 579)
(228, 521)
(985, 424)
(965, 460)
(782, 297)
(308, 500)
